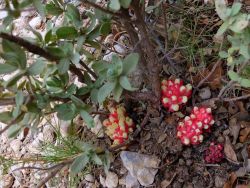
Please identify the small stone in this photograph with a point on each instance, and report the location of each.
(111, 180)
(162, 138)
(89, 178)
(205, 93)
(131, 182)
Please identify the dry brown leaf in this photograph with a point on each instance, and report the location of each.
(231, 181)
(245, 131)
(214, 81)
(234, 128)
(229, 151)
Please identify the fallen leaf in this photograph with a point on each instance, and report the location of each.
(214, 81)
(234, 128)
(245, 131)
(231, 181)
(229, 151)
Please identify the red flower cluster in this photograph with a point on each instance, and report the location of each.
(214, 153)
(175, 94)
(118, 125)
(190, 131)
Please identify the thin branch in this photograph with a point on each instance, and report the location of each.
(51, 175)
(40, 51)
(28, 46)
(88, 69)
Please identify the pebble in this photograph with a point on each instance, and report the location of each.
(205, 93)
(111, 180)
(89, 178)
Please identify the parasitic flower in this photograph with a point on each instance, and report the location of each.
(118, 125)
(190, 130)
(175, 94)
(214, 153)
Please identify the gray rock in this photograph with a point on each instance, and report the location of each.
(131, 182)
(142, 167)
(205, 93)
(111, 180)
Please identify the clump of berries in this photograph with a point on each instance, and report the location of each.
(214, 153)
(175, 94)
(190, 130)
(118, 125)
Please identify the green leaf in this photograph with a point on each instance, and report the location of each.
(66, 33)
(73, 14)
(117, 92)
(244, 82)
(56, 51)
(40, 7)
(13, 80)
(115, 5)
(221, 9)
(105, 90)
(233, 75)
(13, 130)
(66, 111)
(235, 8)
(5, 117)
(54, 85)
(37, 67)
(240, 23)
(105, 28)
(125, 3)
(53, 9)
(130, 63)
(223, 54)
(83, 90)
(79, 163)
(126, 84)
(96, 159)
(14, 48)
(87, 118)
(223, 28)
(94, 95)
(7, 68)
(63, 65)
(19, 98)
(48, 36)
